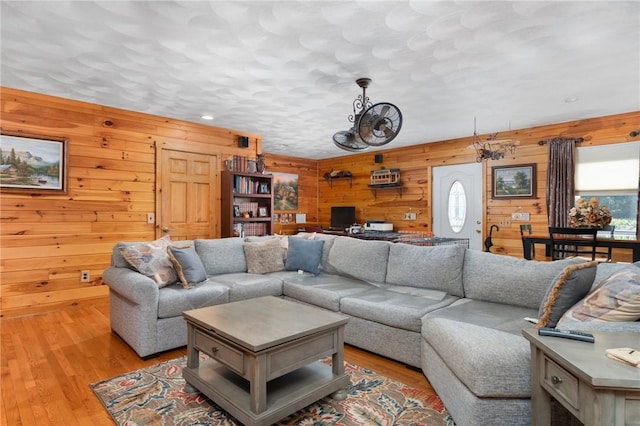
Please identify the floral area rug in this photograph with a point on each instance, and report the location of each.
(155, 396)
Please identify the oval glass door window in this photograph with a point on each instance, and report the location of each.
(457, 206)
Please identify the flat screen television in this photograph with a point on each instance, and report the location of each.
(343, 217)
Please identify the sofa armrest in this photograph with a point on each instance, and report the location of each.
(132, 285)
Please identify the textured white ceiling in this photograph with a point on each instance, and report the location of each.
(287, 69)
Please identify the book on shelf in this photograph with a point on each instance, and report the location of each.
(248, 185)
(254, 229)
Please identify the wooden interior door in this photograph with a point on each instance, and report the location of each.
(188, 195)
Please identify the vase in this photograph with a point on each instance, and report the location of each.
(260, 166)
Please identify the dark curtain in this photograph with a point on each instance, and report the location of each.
(560, 180)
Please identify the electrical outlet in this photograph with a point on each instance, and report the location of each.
(85, 276)
(410, 216)
(151, 218)
(506, 222)
(520, 216)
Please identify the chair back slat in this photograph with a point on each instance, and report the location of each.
(573, 242)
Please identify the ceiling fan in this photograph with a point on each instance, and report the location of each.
(374, 124)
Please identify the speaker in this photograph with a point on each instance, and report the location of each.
(243, 142)
(377, 158)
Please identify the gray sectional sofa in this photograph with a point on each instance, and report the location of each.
(455, 313)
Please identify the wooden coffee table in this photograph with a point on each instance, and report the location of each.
(265, 354)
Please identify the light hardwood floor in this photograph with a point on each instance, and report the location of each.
(49, 360)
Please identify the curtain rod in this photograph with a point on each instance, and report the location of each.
(578, 140)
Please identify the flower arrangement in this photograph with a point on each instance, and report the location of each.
(589, 214)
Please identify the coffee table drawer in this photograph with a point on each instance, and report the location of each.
(220, 351)
(560, 383)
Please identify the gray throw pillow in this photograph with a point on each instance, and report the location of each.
(567, 289)
(304, 254)
(187, 264)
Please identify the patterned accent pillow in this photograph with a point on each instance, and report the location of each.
(264, 256)
(571, 285)
(616, 299)
(151, 259)
(187, 263)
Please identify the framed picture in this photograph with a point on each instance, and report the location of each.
(285, 191)
(33, 164)
(236, 211)
(514, 181)
(262, 212)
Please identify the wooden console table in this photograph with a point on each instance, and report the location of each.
(597, 390)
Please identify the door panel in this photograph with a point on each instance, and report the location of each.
(461, 218)
(188, 195)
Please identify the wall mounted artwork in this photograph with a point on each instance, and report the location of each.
(33, 164)
(514, 181)
(285, 191)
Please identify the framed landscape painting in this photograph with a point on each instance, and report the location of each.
(33, 164)
(514, 181)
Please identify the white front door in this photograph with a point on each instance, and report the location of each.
(457, 202)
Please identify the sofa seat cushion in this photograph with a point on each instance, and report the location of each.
(173, 300)
(508, 318)
(438, 267)
(322, 290)
(509, 280)
(243, 285)
(360, 259)
(222, 256)
(400, 307)
(490, 363)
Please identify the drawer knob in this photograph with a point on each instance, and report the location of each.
(215, 350)
(556, 380)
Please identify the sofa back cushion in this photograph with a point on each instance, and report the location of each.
(438, 268)
(361, 259)
(506, 279)
(222, 256)
(326, 249)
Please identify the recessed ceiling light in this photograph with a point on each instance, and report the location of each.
(207, 117)
(570, 100)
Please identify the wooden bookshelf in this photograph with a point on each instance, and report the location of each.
(247, 204)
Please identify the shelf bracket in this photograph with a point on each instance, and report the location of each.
(330, 180)
(375, 189)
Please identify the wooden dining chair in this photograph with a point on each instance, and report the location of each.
(607, 231)
(573, 242)
(526, 227)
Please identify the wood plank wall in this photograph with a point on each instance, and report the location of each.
(416, 164)
(307, 171)
(47, 240)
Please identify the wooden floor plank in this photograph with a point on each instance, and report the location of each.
(48, 361)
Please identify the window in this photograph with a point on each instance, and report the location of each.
(610, 173)
(457, 211)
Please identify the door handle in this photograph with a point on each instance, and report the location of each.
(165, 230)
